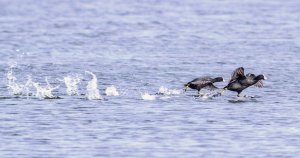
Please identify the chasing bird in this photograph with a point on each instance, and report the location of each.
(203, 82)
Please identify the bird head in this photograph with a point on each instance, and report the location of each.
(261, 77)
(265, 77)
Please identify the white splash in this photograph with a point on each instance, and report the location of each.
(27, 86)
(72, 84)
(44, 92)
(111, 91)
(13, 87)
(204, 97)
(165, 91)
(147, 96)
(92, 88)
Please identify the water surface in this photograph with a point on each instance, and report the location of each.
(139, 46)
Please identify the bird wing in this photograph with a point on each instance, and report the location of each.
(211, 87)
(202, 82)
(259, 84)
(250, 75)
(239, 72)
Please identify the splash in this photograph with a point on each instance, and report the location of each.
(27, 86)
(165, 91)
(45, 92)
(13, 87)
(111, 91)
(147, 96)
(17, 88)
(205, 96)
(72, 84)
(92, 88)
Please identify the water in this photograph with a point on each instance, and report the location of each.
(72, 84)
(147, 47)
(111, 91)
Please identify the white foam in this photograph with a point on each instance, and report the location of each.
(13, 87)
(111, 91)
(166, 91)
(72, 84)
(205, 96)
(44, 92)
(92, 88)
(28, 85)
(147, 96)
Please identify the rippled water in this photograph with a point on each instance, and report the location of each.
(138, 47)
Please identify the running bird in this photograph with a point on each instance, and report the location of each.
(203, 82)
(239, 81)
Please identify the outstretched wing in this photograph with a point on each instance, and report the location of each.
(239, 72)
(251, 75)
(259, 84)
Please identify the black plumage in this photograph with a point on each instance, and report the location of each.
(203, 82)
(239, 81)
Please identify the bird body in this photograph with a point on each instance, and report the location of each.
(239, 81)
(203, 82)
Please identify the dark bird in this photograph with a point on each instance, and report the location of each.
(239, 81)
(203, 82)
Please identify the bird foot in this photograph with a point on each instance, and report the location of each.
(201, 94)
(222, 91)
(217, 95)
(241, 96)
(245, 96)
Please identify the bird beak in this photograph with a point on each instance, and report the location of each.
(223, 80)
(186, 87)
(265, 77)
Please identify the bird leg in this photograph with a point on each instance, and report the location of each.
(247, 96)
(223, 91)
(200, 94)
(244, 96)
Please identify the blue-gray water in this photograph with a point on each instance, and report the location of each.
(138, 46)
